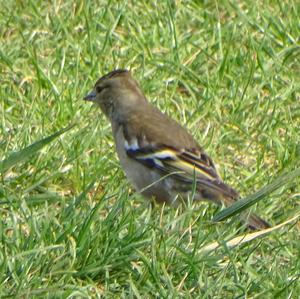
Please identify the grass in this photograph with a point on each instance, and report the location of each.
(70, 224)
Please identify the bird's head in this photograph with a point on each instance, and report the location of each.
(116, 93)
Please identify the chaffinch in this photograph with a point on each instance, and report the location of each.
(159, 157)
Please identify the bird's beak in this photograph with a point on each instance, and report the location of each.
(90, 96)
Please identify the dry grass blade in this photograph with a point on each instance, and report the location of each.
(248, 237)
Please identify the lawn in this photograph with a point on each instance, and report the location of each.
(71, 225)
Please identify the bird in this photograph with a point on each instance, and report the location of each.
(160, 158)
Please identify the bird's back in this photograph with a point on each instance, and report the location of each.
(166, 130)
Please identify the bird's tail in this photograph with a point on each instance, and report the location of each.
(221, 193)
(254, 222)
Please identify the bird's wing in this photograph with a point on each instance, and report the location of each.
(188, 163)
(187, 166)
(170, 149)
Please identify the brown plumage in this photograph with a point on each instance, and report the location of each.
(160, 158)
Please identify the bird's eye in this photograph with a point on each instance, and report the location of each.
(99, 88)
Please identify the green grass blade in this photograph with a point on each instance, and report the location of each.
(25, 153)
(250, 200)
